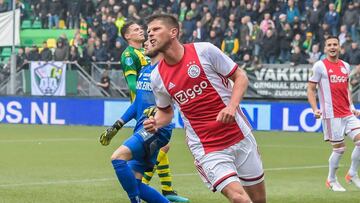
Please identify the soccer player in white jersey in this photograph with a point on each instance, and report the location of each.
(196, 78)
(331, 75)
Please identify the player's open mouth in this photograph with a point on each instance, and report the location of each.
(152, 41)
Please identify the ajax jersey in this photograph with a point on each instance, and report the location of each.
(199, 86)
(333, 91)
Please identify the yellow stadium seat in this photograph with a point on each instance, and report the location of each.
(62, 24)
(40, 49)
(51, 43)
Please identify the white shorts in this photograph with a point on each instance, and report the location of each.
(336, 128)
(240, 162)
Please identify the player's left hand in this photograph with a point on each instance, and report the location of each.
(110, 132)
(356, 112)
(150, 111)
(226, 115)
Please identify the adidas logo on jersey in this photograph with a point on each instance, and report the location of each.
(171, 85)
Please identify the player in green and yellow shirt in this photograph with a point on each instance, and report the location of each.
(133, 58)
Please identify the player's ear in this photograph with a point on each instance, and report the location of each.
(174, 32)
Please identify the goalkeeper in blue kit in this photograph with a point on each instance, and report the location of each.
(139, 152)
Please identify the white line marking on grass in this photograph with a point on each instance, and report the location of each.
(293, 146)
(60, 182)
(49, 140)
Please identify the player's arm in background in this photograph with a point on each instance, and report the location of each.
(352, 107)
(311, 89)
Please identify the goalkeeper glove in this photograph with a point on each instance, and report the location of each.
(110, 132)
(150, 111)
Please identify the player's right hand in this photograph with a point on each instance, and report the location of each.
(317, 114)
(150, 125)
(110, 132)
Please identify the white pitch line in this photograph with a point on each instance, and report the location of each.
(48, 140)
(59, 182)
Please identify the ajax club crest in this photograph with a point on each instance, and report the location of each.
(193, 70)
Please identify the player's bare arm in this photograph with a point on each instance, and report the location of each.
(161, 118)
(227, 115)
(352, 107)
(311, 94)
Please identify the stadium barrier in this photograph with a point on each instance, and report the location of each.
(278, 116)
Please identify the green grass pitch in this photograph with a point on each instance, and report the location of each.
(67, 164)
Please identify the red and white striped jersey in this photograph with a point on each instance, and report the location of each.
(333, 90)
(199, 86)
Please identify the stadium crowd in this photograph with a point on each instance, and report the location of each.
(249, 31)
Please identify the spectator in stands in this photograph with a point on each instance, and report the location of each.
(74, 54)
(343, 54)
(105, 82)
(351, 20)
(315, 54)
(145, 11)
(55, 10)
(256, 37)
(342, 35)
(230, 45)
(34, 54)
(42, 10)
(194, 37)
(355, 78)
(354, 54)
(100, 53)
(246, 47)
(133, 13)
(308, 42)
(73, 14)
(3, 6)
(46, 54)
(106, 43)
(347, 43)
(87, 10)
(314, 16)
(244, 30)
(20, 59)
(298, 57)
(61, 52)
(292, 12)
(111, 31)
(115, 55)
(332, 19)
(188, 26)
(267, 23)
(285, 39)
(202, 33)
(214, 38)
(269, 47)
(206, 21)
(246, 62)
(325, 28)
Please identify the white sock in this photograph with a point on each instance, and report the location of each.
(355, 159)
(334, 162)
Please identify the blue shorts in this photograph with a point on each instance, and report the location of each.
(142, 160)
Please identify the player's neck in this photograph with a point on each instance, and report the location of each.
(155, 59)
(136, 45)
(174, 53)
(332, 59)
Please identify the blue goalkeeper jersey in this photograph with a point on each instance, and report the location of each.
(144, 99)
